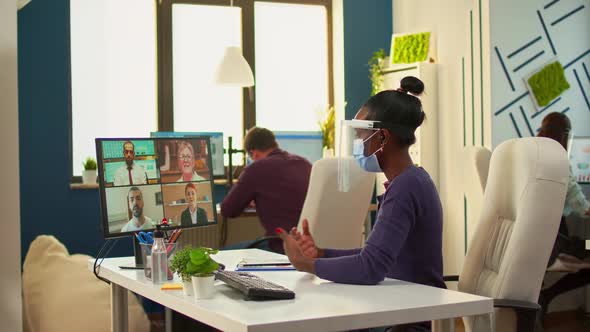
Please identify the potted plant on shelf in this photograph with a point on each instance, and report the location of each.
(201, 267)
(178, 265)
(89, 173)
(328, 128)
(376, 66)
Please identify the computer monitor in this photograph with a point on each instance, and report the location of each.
(138, 189)
(580, 158)
(216, 139)
(307, 144)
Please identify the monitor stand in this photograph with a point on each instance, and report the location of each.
(138, 259)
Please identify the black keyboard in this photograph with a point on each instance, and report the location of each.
(253, 287)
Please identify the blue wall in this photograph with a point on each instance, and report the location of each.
(48, 205)
(367, 28)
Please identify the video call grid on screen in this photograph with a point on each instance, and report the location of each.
(151, 178)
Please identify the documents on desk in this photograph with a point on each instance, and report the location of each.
(254, 264)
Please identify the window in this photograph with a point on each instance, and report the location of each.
(140, 66)
(291, 65)
(113, 72)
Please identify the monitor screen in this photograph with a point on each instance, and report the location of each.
(143, 180)
(307, 144)
(580, 158)
(216, 139)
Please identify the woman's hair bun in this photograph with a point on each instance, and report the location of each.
(412, 85)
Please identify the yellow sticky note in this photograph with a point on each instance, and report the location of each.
(174, 286)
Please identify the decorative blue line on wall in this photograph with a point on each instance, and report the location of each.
(586, 71)
(504, 68)
(546, 107)
(529, 61)
(565, 110)
(515, 126)
(522, 48)
(582, 88)
(526, 121)
(576, 59)
(511, 103)
(567, 15)
(546, 32)
(550, 4)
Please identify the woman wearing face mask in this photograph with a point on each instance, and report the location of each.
(406, 241)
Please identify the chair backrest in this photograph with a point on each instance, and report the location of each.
(523, 202)
(336, 218)
(477, 164)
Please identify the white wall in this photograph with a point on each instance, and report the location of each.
(570, 38)
(10, 282)
(449, 21)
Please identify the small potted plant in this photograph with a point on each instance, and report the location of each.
(89, 174)
(178, 265)
(201, 267)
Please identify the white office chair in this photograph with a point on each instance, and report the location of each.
(508, 254)
(477, 164)
(336, 219)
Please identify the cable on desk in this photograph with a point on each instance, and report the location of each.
(108, 248)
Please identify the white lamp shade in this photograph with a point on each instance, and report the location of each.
(234, 69)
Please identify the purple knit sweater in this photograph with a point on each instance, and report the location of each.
(406, 241)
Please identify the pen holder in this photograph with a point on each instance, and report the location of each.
(146, 256)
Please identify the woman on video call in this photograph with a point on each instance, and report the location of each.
(193, 215)
(186, 162)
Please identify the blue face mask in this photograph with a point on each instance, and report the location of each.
(370, 163)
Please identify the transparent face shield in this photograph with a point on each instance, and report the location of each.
(360, 140)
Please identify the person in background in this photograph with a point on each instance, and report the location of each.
(557, 126)
(406, 241)
(276, 181)
(131, 173)
(193, 215)
(186, 162)
(139, 221)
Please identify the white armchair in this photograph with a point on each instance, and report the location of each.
(508, 254)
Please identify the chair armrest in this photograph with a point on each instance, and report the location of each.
(526, 312)
(516, 304)
(256, 243)
(451, 278)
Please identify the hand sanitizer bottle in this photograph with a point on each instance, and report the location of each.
(159, 257)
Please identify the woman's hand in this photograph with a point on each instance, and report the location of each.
(294, 252)
(306, 242)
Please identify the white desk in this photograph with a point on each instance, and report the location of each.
(319, 305)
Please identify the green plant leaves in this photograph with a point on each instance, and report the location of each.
(548, 83)
(376, 66)
(89, 164)
(411, 48)
(200, 263)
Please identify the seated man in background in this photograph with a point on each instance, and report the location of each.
(277, 183)
(131, 173)
(139, 221)
(557, 126)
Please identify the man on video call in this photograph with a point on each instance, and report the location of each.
(131, 173)
(139, 221)
(277, 183)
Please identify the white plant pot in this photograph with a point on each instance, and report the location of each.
(89, 176)
(187, 288)
(203, 287)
